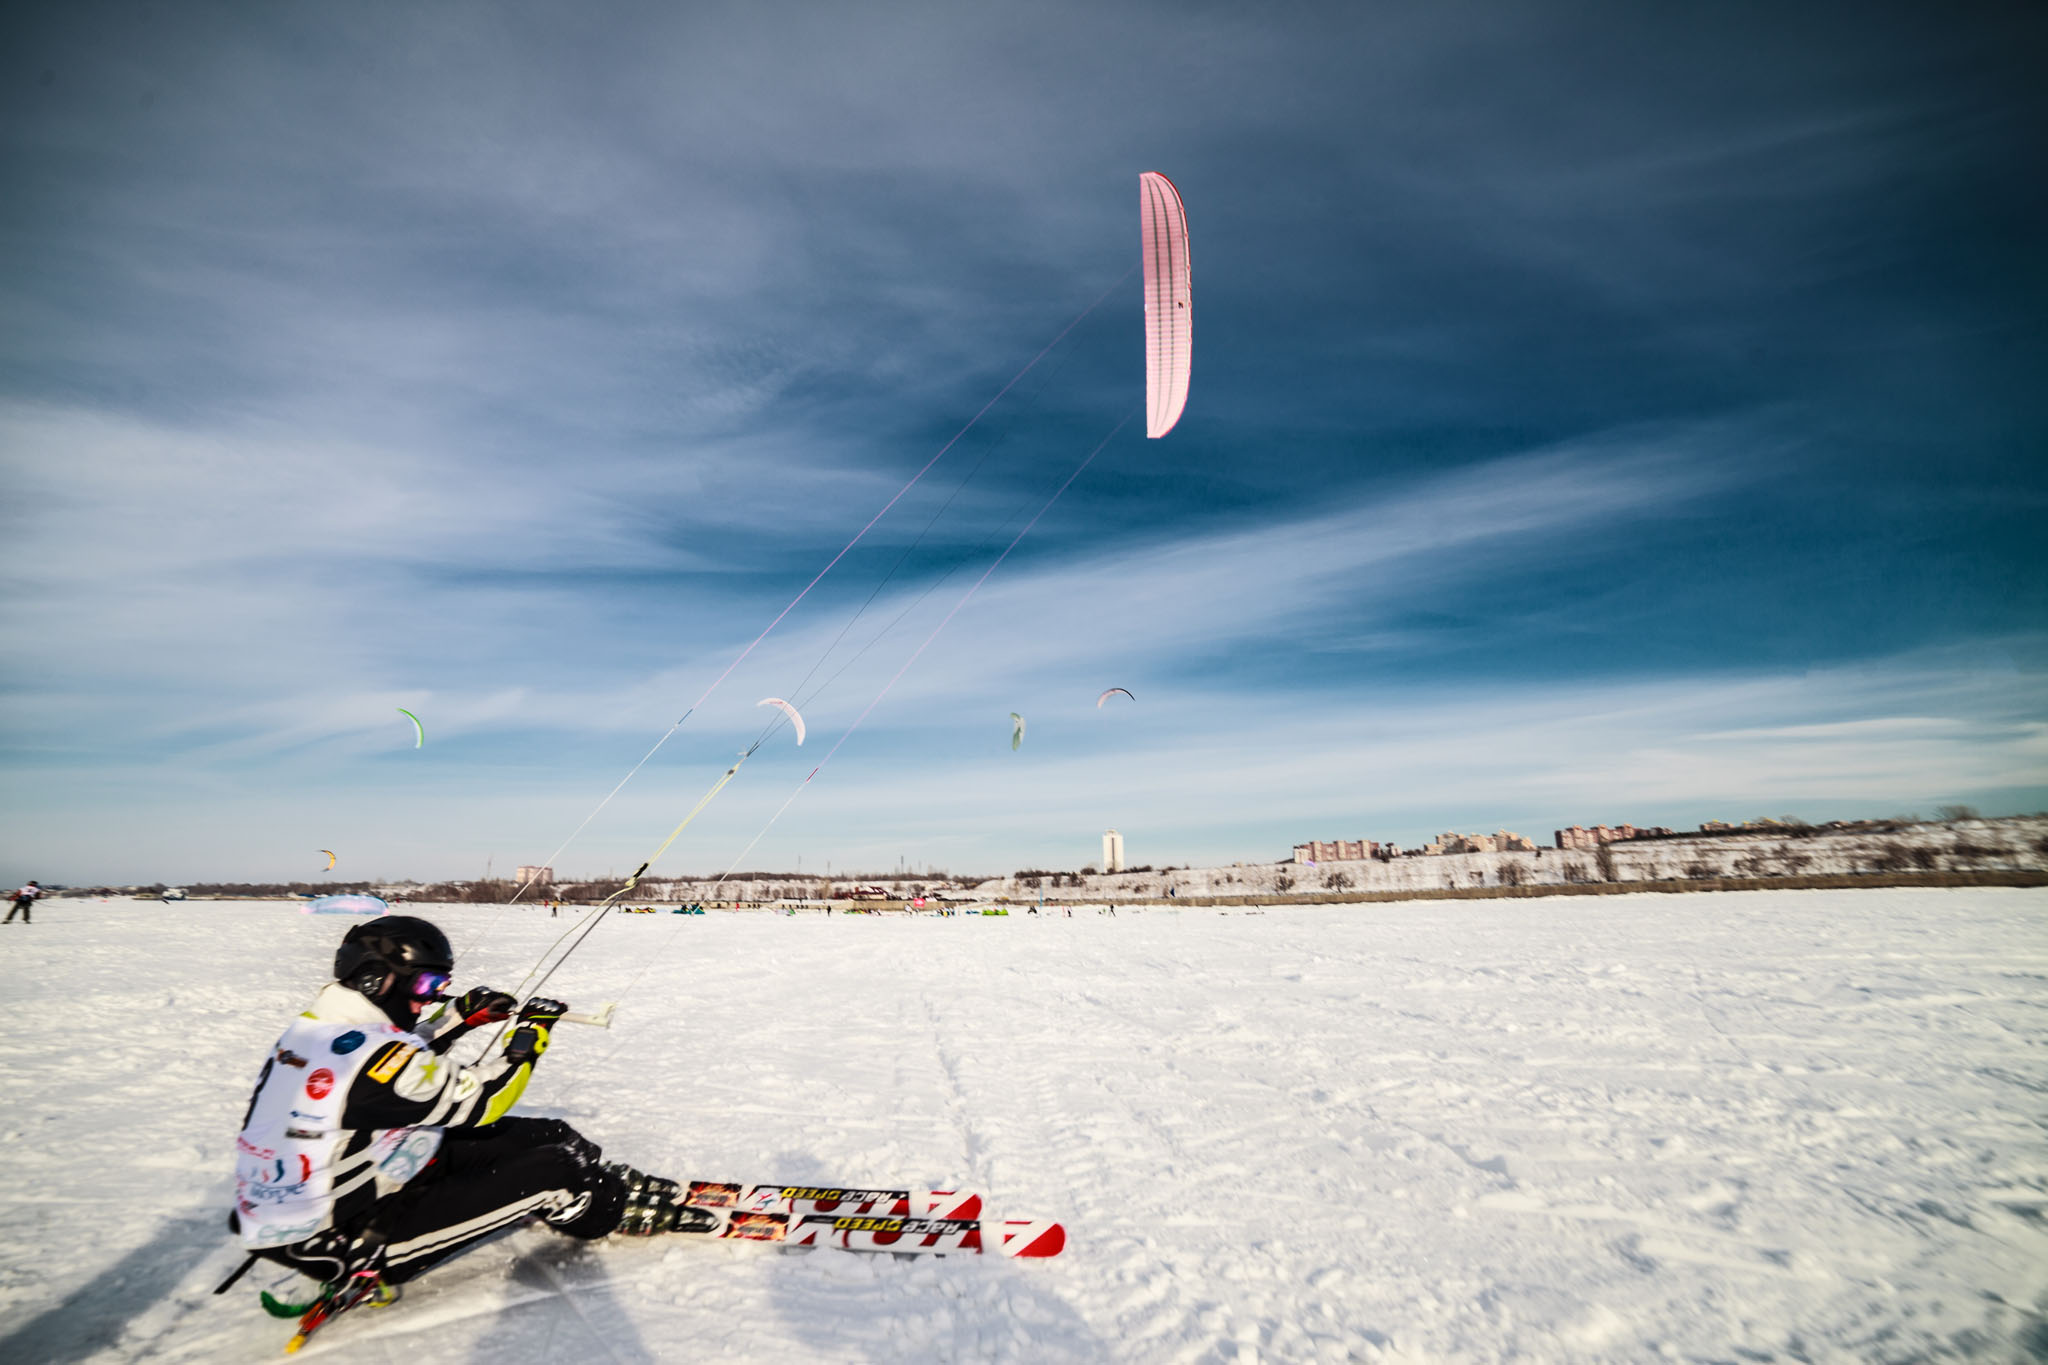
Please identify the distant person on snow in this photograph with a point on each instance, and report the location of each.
(364, 1152)
(23, 899)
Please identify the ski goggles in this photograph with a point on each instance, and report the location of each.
(428, 985)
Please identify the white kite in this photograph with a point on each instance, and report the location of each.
(787, 710)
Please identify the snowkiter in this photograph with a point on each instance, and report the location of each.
(366, 1152)
(23, 899)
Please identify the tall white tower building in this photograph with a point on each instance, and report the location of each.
(1112, 851)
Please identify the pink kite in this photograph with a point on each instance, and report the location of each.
(1169, 321)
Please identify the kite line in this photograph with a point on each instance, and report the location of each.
(970, 424)
(897, 676)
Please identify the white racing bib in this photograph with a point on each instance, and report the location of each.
(289, 1162)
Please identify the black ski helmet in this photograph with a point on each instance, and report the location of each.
(378, 955)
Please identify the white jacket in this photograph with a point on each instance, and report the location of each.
(350, 1107)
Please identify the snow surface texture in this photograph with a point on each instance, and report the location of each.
(1733, 1127)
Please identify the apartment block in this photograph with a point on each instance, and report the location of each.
(1336, 851)
(1578, 836)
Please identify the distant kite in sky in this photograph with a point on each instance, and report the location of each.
(1016, 731)
(348, 903)
(330, 860)
(1110, 693)
(1169, 320)
(419, 730)
(787, 710)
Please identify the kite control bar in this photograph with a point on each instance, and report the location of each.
(601, 1019)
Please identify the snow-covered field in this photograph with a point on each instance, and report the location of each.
(1740, 1127)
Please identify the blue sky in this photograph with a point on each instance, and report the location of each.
(1599, 413)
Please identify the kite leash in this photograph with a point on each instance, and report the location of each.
(648, 963)
(631, 881)
(491, 926)
(577, 935)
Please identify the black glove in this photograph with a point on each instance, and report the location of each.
(482, 1005)
(546, 1013)
(530, 1039)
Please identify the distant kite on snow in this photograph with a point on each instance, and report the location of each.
(348, 903)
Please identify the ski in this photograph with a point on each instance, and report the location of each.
(803, 1200)
(854, 1219)
(1030, 1237)
(1020, 1237)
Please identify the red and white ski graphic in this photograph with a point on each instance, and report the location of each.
(887, 1234)
(1023, 1237)
(803, 1200)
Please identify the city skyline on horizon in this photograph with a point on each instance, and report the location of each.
(929, 870)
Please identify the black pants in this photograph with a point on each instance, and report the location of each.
(21, 903)
(481, 1181)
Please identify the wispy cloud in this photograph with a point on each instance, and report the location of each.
(1194, 759)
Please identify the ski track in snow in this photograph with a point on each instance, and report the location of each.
(1775, 1126)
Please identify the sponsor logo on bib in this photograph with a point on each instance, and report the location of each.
(320, 1083)
(347, 1043)
(388, 1062)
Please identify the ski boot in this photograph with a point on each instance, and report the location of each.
(295, 1295)
(362, 1285)
(652, 1207)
